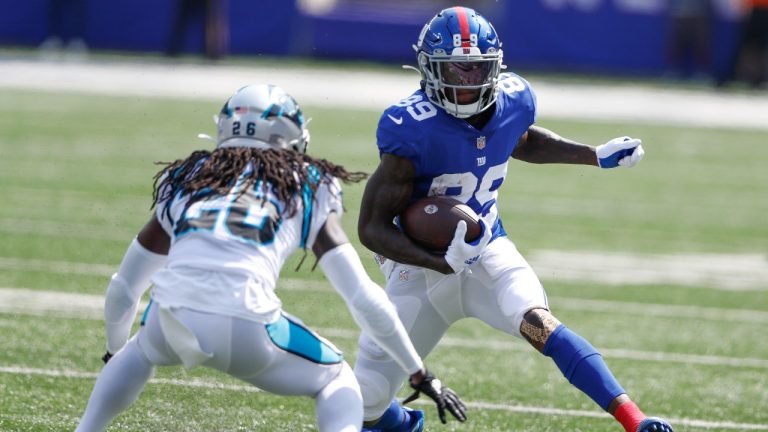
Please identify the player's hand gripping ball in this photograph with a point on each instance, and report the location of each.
(431, 222)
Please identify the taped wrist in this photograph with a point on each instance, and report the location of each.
(125, 290)
(369, 305)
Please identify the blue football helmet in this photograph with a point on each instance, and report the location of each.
(460, 59)
(262, 116)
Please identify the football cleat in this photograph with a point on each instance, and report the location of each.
(654, 424)
(415, 423)
(417, 420)
(262, 116)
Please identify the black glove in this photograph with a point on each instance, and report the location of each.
(443, 397)
(105, 358)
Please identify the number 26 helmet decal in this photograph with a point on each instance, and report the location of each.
(262, 116)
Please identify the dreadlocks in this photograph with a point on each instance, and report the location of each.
(216, 172)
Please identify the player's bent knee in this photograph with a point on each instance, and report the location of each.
(339, 403)
(538, 324)
(344, 380)
(376, 392)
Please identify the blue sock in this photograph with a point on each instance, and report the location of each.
(584, 367)
(392, 417)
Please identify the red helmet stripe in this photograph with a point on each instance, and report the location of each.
(463, 25)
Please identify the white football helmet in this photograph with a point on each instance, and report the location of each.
(262, 116)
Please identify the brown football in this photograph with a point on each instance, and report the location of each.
(431, 222)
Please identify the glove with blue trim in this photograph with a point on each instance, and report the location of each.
(621, 151)
(460, 254)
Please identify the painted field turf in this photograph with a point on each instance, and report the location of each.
(76, 176)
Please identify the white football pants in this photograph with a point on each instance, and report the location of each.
(241, 348)
(499, 290)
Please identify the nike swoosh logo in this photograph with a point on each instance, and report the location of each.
(396, 120)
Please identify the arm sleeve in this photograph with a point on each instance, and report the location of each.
(328, 199)
(369, 305)
(125, 290)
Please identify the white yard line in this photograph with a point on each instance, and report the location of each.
(375, 90)
(65, 229)
(721, 271)
(661, 310)
(563, 303)
(731, 272)
(50, 266)
(523, 409)
(86, 306)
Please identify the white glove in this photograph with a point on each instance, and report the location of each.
(461, 254)
(621, 151)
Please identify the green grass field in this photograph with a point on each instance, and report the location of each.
(76, 174)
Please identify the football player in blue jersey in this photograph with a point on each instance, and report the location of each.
(454, 137)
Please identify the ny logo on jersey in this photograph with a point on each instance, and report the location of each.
(481, 161)
(480, 143)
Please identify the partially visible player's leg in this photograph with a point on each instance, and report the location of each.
(576, 358)
(585, 368)
(339, 405)
(379, 376)
(124, 376)
(117, 387)
(502, 288)
(338, 402)
(287, 358)
(517, 305)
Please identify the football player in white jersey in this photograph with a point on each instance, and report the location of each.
(454, 137)
(225, 222)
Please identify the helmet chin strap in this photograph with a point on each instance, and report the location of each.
(461, 111)
(458, 110)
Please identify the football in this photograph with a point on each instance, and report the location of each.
(431, 222)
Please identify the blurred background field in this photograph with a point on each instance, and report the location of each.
(675, 38)
(663, 267)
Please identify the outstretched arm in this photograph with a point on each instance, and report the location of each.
(386, 195)
(146, 254)
(376, 315)
(368, 303)
(540, 145)
(543, 146)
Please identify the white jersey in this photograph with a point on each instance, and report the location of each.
(227, 251)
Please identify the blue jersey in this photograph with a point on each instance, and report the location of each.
(451, 157)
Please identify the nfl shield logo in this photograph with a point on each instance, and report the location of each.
(480, 143)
